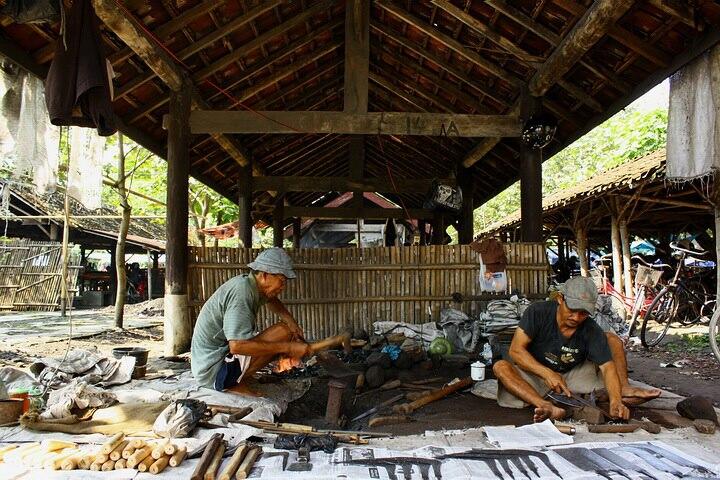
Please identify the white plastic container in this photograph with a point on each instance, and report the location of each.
(477, 371)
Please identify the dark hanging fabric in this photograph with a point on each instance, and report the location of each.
(31, 11)
(77, 90)
(390, 233)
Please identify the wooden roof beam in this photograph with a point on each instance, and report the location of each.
(263, 38)
(458, 73)
(204, 42)
(371, 123)
(344, 184)
(161, 64)
(597, 21)
(451, 43)
(488, 32)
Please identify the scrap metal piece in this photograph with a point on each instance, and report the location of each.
(576, 457)
(493, 454)
(586, 459)
(650, 459)
(391, 463)
(664, 453)
(623, 464)
(285, 455)
(505, 464)
(520, 466)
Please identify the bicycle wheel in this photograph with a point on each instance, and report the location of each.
(692, 296)
(715, 334)
(658, 318)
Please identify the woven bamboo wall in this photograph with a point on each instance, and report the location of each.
(30, 275)
(352, 287)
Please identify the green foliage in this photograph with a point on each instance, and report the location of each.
(628, 135)
(690, 342)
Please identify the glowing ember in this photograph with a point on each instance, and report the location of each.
(286, 363)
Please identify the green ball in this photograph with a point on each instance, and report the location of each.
(441, 347)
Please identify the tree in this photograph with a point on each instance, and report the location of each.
(628, 135)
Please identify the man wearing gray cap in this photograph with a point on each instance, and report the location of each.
(225, 350)
(555, 348)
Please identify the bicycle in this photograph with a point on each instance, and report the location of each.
(683, 299)
(647, 277)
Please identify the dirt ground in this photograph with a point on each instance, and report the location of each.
(696, 373)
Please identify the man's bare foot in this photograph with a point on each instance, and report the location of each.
(242, 389)
(548, 410)
(636, 395)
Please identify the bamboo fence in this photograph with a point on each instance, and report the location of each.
(351, 287)
(30, 275)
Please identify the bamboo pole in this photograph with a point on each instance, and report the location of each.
(625, 241)
(617, 253)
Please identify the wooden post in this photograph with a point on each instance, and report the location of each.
(530, 182)
(149, 276)
(625, 242)
(423, 234)
(297, 232)
(617, 253)
(278, 222)
(121, 293)
(467, 224)
(245, 207)
(581, 238)
(178, 330)
(438, 233)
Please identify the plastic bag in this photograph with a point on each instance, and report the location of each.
(326, 443)
(444, 197)
(179, 418)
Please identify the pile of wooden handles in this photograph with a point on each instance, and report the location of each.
(239, 466)
(115, 454)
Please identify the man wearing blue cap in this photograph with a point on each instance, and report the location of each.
(555, 348)
(225, 350)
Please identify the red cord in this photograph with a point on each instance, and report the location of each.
(221, 90)
(392, 180)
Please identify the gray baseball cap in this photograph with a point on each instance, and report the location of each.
(273, 260)
(580, 293)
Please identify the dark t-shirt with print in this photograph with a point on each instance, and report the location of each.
(552, 349)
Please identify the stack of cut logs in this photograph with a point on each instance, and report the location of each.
(115, 454)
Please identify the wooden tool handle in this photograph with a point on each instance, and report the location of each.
(159, 464)
(207, 457)
(178, 457)
(235, 462)
(216, 461)
(407, 408)
(389, 420)
(247, 463)
(110, 445)
(117, 452)
(619, 428)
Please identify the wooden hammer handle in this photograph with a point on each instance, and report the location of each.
(407, 408)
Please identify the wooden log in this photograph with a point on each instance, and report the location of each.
(144, 466)
(96, 466)
(235, 462)
(159, 464)
(57, 462)
(101, 458)
(159, 449)
(138, 456)
(128, 450)
(170, 448)
(120, 464)
(107, 466)
(618, 428)
(72, 462)
(117, 452)
(247, 464)
(389, 420)
(216, 461)
(110, 445)
(177, 457)
(138, 443)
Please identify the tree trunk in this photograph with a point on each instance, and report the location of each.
(581, 239)
(625, 241)
(617, 253)
(121, 291)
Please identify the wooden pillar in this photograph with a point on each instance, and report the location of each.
(113, 272)
(438, 232)
(297, 231)
(245, 207)
(178, 330)
(467, 223)
(581, 238)
(617, 253)
(423, 234)
(279, 222)
(717, 246)
(625, 242)
(530, 182)
(149, 275)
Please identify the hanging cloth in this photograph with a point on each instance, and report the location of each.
(85, 169)
(78, 75)
(693, 135)
(28, 142)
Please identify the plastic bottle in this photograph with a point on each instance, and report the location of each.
(487, 354)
